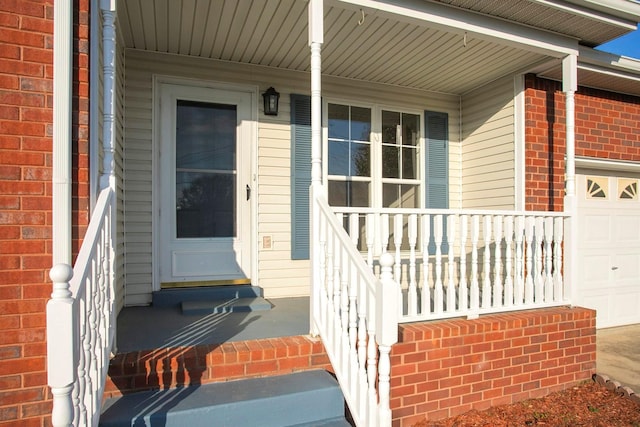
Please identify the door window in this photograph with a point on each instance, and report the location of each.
(205, 170)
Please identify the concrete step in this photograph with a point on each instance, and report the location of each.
(175, 297)
(310, 398)
(236, 305)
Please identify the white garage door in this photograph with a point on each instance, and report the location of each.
(609, 248)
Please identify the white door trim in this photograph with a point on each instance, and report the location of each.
(158, 82)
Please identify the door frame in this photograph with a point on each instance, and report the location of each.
(158, 82)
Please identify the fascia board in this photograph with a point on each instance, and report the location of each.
(594, 11)
(478, 25)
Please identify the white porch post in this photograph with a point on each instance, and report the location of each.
(316, 30)
(61, 182)
(107, 7)
(569, 87)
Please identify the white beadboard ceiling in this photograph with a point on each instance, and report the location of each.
(273, 33)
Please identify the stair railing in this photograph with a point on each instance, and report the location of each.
(355, 314)
(80, 323)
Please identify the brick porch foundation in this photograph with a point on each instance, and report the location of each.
(444, 368)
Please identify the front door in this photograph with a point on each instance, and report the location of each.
(205, 187)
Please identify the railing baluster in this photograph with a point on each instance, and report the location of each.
(344, 315)
(528, 283)
(519, 270)
(397, 241)
(371, 238)
(497, 284)
(486, 282)
(412, 293)
(362, 347)
(475, 289)
(384, 232)
(329, 291)
(337, 300)
(557, 261)
(451, 287)
(508, 278)
(538, 276)
(425, 298)
(548, 264)
(438, 292)
(462, 287)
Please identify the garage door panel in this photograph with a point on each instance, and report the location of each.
(627, 267)
(627, 228)
(596, 271)
(596, 229)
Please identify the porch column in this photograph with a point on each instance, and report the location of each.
(61, 170)
(107, 177)
(569, 87)
(316, 30)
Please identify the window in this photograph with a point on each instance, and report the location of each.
(354, 179)
(349, 155)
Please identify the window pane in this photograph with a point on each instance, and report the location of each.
(205, 204)
(338, 121)
(205, 136)
(400, 196)
(349, 194)
(390, 161)
(410, 129)
(390, 123)
(409, 163)
(361, 160)
(360, 124)
(338, 158)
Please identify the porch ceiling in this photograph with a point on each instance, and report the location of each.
(380, 49)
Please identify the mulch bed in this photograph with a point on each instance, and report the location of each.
(588, 404)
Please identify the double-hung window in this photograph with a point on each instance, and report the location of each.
(373, 157)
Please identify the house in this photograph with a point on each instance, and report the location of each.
(482, 157)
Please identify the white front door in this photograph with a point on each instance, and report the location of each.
(204, 193)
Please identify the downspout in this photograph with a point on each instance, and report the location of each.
(61, 180)
(316, 38)
(569, 87)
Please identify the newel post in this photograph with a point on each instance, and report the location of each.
(386, 331)
(61, 345)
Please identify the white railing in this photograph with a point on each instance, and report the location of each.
(355, 314)
(80, 324)
(452, 263)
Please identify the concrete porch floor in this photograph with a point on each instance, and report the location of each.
(146, 328)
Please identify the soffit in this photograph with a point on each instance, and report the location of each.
(273, 33)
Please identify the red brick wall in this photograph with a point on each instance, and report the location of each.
(444, 368)
(26, 72)
(607, 127)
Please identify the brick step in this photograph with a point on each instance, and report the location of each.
(201, 364)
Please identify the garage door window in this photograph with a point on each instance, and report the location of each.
(628, 189)
(597, 187)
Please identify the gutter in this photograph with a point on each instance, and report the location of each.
(61, 181)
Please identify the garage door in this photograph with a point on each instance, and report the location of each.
(609, 248)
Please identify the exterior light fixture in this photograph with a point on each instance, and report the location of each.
(271, 98)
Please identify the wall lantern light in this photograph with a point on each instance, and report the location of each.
(271, 98)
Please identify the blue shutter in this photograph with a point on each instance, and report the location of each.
(300, 174)
(437, 140)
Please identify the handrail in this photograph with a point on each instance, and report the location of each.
(80, 323)
(355, 314)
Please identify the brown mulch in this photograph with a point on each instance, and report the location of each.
(587, 404)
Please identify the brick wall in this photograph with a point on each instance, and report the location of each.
(607, 127)
(26, 72)
(444, 368)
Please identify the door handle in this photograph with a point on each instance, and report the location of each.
(614, 268)
(248, 192)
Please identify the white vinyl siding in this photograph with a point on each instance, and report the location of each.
(277, 273)
(488, 149)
